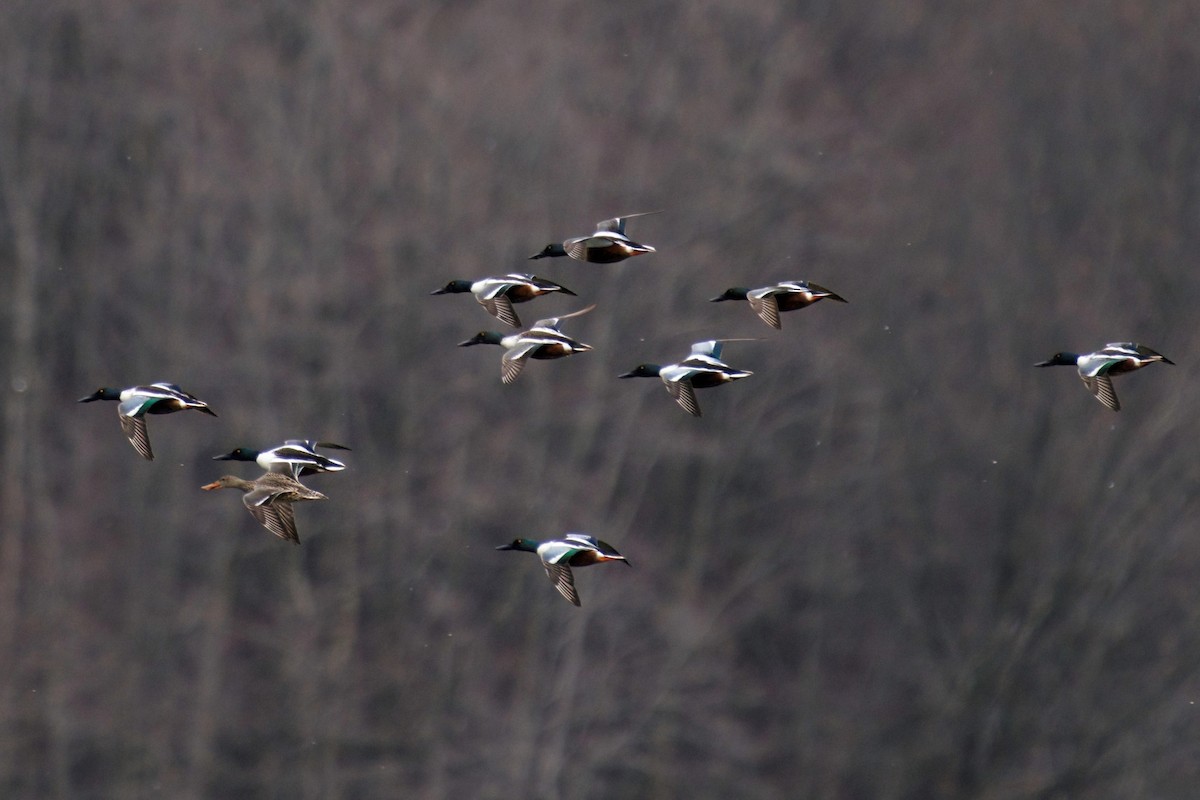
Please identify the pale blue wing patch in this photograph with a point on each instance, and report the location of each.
(614, 225)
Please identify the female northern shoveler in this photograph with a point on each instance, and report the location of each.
(498, 294)
(294, 457)
(768, 301)
(544, 340)
(269, 498)
(559, 555)
(138, 401)
(700, 370)
(1096, 369)
(607, 245)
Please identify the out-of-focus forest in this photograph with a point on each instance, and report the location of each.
(897, 562)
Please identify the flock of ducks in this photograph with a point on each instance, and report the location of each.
(269, 497)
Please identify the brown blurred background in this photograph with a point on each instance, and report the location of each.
(897, 562)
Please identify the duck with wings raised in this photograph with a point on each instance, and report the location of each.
(607, 245)
(702, 369)
(543, 341)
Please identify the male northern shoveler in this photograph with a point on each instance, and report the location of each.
(544, 340)
(294, 457)
(269, 498)
(607, 245)
(559, 555)
(498, 294)
(702, 369)
(1096, 369)
(138, 401)
(768, 301)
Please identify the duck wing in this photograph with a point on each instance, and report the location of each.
(685, 395)
(174, 393)
(280, 519)
(564, 581)
(501, 308)
(551, 323)
(135, 431)
(513, 361)
(617, 224)
(277, 517)
(822, 293)
(767, 308)
(299, 457)
(1102, 387)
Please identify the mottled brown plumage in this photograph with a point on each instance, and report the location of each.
(269, 498)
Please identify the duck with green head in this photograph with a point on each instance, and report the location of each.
(571, 550)
(769, 301)
(607, 245)
(138, 401)
(498, 294)
(295, 457)
(702, 369)
(1096, 369)
(543, 341)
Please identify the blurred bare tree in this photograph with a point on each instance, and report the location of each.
(897, 562)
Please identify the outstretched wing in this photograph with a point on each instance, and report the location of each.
(501, 308)
(767, 308)
(513, 361)
(713, 347)
(135, 430)
(1102, 387)
(564, 581)
(684, 394)
(551, 323)
(617, 224)
(278, 518)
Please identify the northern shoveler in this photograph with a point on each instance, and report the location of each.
(607, 245)
(702, 369)
(544, 340)
(1096, 369)
(559, 555)
(269, 498)
(499, 293)
(768, 301)
(295, 457)
(138, 401)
